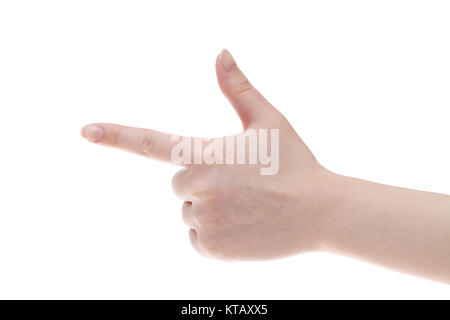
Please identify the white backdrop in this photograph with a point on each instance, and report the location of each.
(365, 83)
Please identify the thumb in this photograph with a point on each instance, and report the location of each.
(249, 104)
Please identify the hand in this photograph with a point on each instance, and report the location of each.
(234, 211)
(238, 211)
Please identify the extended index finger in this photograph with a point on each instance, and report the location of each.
(146, 142)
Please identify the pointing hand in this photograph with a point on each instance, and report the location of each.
(261, 193)
(234, 210)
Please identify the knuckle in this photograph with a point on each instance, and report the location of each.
(180, 183)
(206, 189)
(148, 143)
(244, 86)
(208, 217)
(177, 176)
(114, 136)
(203, 218)
(198, 217)
(178, 189)
(206, 195)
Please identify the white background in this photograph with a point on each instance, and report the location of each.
(365, 83)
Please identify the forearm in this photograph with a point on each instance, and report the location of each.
(403, 229)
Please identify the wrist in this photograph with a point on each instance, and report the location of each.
(334, 196)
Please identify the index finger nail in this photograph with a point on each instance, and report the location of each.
(92, 133)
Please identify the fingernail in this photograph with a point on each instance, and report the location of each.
(227, 60)
(92, 133)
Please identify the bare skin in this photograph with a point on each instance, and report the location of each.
(234, 213)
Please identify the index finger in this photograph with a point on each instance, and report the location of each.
(146, 142)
